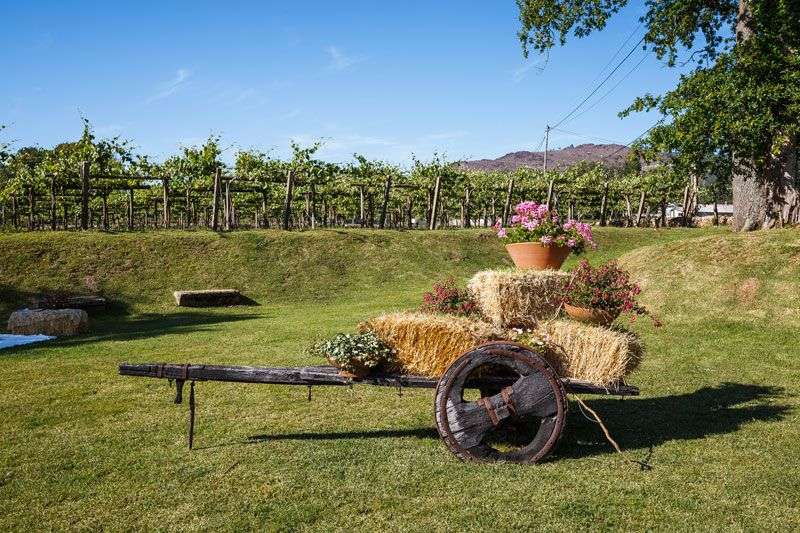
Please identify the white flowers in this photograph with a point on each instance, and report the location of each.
(348, 351)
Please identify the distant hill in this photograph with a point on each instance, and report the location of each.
(611, 155)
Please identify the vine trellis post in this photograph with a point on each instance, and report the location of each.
(507, 205)
(435, 201)
(215, 200)
(85, 195)
(385, 204)
(287, 202)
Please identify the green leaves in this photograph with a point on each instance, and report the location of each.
(547, 22)
(743, 96)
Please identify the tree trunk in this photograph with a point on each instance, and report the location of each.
(765, 197)
(768, 197)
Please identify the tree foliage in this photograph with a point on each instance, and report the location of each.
(741, 99)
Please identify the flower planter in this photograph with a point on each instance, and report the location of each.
(356, 371)
(600, 317)
(536, 256)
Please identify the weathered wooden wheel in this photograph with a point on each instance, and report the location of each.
(521, 423)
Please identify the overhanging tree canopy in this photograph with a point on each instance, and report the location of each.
(741, 103)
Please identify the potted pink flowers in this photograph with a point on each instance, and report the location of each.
(599, 295)
(538, 239)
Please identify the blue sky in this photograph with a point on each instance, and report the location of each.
(384, 79)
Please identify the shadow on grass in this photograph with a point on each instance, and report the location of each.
(644, 423)
(634, 423)
(419, 433)
(12, 298)
(152, 325)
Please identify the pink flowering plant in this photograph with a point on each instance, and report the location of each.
(533, 222)
(607, 287)
(446, 297)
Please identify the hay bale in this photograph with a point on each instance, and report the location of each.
(207, 298)
(427, 343)
(50, 322)
(518, 298)
(600, 355)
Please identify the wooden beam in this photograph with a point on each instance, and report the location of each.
(328, 375)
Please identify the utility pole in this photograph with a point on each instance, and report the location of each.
(546, 143)
(544, 166)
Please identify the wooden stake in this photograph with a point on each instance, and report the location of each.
(105, 211)
(215, 200)
(361, 213)
(603, 202)
(228, 213)
(385, 204)
(85, 195)
(435, 202)
(467, 215)
(287, 201)
(167, 221)
(507, 205)
(130, 209)
(52, 203)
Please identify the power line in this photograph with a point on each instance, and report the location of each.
(595, 137)
(635, 30)
(541, 142)
(621, 148)
(623, 78)
(632, 50)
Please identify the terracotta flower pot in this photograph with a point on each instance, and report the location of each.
(600, 317)
(357, 371)
(536, 256)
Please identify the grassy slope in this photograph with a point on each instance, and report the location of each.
(83, 448)
(752, 277)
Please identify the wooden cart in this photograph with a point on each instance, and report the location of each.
(517, 414)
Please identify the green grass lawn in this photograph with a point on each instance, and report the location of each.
(83, 448)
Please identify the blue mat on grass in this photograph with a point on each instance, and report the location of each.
(9, 341)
